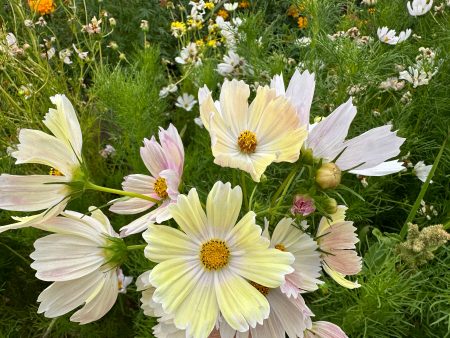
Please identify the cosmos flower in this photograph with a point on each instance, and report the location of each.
(232, 64)
(419, 7)
(250, 137)
(165, 161)
(323, 329)
(337, 239)
(78, 259)
(364, 155)
(422, 171)
(61, 152)
(205, 267)
(389, 36)
(307, 265)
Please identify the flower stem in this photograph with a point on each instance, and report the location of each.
(422, 192)
(136, 247)
(244, 190)
(93, 186)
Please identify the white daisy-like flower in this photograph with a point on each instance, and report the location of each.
(422, 171)
(419, 7)
(81, 55)
(230, 7)
(416, 76)
(65, 55)
(189, 54)
(307, 265)
(206, 266)
(327, 138)
(323, 329)
(251, 137)
(390, 37)
(337, 239)
(304, 41)
(171, 88)
(60, 151)
(78, 260)
(369, 2)
(186, 101)
(164, 161)
(232, 64)
(288, 316)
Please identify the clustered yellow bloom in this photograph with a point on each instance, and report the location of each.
(371, 10)
(244, 4)
(194, 24)
(178, 28)
(293, 11)
(209, 5)
(302, 22)
(42, 6)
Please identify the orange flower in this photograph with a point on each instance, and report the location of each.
(302, 22)
(244, 4)
(42, 6)
(223, 13)
(293, 11)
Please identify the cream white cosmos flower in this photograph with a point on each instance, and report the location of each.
(231, 6)
(337, 239)
(60, 151)
(422, 171)
(416, 76)
(164, 161)
(288, 316)
(366, 152)
(307, 264)
(323, 329)
(419, 7)
(206, 266)
(77, 259)
(251, 137)
(233, 64)
(390, 37)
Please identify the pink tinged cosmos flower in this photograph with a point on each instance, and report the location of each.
(337, 239)
(75, 258)
(165, 161)
(60, 151)
(288, 316)
(251, 137)
(303, 205)
(324, 329)
(300, 92)
(307, 265)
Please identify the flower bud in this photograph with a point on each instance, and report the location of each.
(328, 176)
(330, 206)
(112, 22)
(303, 205)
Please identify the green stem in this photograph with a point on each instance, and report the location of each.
(92, 186)
(136, 247)
(286, 181)
(27, 262)
(244, 190)
(422, 192)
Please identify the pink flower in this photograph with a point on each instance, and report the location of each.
(303, 205)
(337, 239)
(165, 162)
(324, 330)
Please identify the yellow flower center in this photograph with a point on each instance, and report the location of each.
(247, 142)
(214, 254)
(280, 247)
(55, 172)
(160, 187)
(261, 288)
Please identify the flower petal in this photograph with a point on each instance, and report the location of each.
(382, 169)
(340, 278)
(234, 104)
(301, 92)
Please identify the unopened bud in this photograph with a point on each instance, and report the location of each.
(112, 22)
(328, 176)
(330, 206)
(303, 205)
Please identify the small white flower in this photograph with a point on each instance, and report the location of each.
(123, 281)
(108, 151)
(389, 36)
(186, 101)
(232, 64)
(28, 23)
(419, 7)
(304, 41)
(406, 98)
(422, 171)
(369, 2)
(144, 25)
(65, 55)
(189, 54)
(172, 88)
(231, 7)
(198, 122)
(417, 77)
(93, 27)
(41, 22)
(392, 83)
(81, 55)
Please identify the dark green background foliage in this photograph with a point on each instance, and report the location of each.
(118, 103)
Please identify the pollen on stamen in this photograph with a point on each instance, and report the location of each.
(55, 172)
(280, 247)
(160, 188)
(214, 254)
(247, 142)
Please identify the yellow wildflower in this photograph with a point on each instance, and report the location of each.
(42, 6)
(213, 43)
(244, 4)
(178, 28)
(199, 43)
(293, 11)
(371, 10)
(209, 5)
